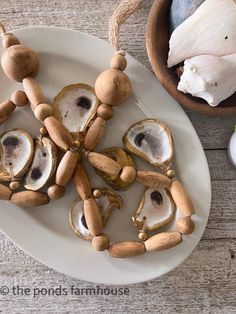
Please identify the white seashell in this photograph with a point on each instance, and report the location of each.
(209, 77)
(210, 30)
(232, 148)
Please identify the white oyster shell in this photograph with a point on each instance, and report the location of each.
(75, 106)
(209, 77)
(210, 30)
(43, 165)
(16, 149)
(106, 203)
(151, 140)
(157, 208)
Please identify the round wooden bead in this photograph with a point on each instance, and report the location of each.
(142, 236)
(42, 111)
(118, 62)
(14, 185)
(170, 173)
(185, 225)
(9, 40)
(128, 174)
(43, 131)
(100, 242)
(105, 111)
(112, 87)
(19, 98)
(19, 62)
(55, 192)
(97, 193)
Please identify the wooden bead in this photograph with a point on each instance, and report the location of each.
(142, 236)
(30, 198)
(170, 173)
(42, 111)
(185, 225)
(82, 182)
(163, 241)
(5, 192)
(128, 174)
(9, 40)
(55, 192)
(181, 198)
(6, 110)
(33, 91)
(118, 62)
(97, 193)
(14, 185)
(66, 168)
(105, 112)
(19, 62)
(93, 216)
(113, 87)
(94, 133)
(153, 179)
(100, 242)
(58, 133)
(77, 143)
(126, 249)
(19, 98)
(43, 131)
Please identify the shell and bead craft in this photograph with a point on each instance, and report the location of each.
(32, 173)
(202, 48)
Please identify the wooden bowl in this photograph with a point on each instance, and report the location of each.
(157, 41)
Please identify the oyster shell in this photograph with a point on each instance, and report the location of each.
(16, 151)
(76, 105)
(151, 140)
(43, 165)
(156, 209)
(106, 203)
(123, 158)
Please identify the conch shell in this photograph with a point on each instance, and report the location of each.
(210, 30)
(209, 77)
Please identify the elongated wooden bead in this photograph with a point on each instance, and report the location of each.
(126, 249)
(163, 241)
(58, 133)
(66, 168)
(153, 179)
(30, 198)
(82, 182)
(181, 198)
(93, 216)
(94, 134)
(6, 110)
(104, 163)
(33, 91)
(5, 192)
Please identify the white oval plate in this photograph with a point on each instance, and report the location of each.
(69, 57)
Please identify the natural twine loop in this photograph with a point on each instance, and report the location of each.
(124, 10)
(2, 29)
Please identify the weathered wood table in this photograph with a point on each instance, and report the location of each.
(206, 281)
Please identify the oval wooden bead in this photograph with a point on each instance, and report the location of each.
(104, 163)
(58, 133)
(93, 216)
(30, 198)
(5, 192)
(163, 241)
(6, 110)
(118, 62)
(19, 62)
(185, 225)
(181, 198)
(55, 192)
(128, 174)
(82, 182)
(9, 40)
(66, 168)
(42, 111)
(33, 91)
(105, 111)
(19, 98)
(94, 133)
(100, 242)
(153, 179)
(126, 249)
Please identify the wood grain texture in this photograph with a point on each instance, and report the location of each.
(206, 281)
